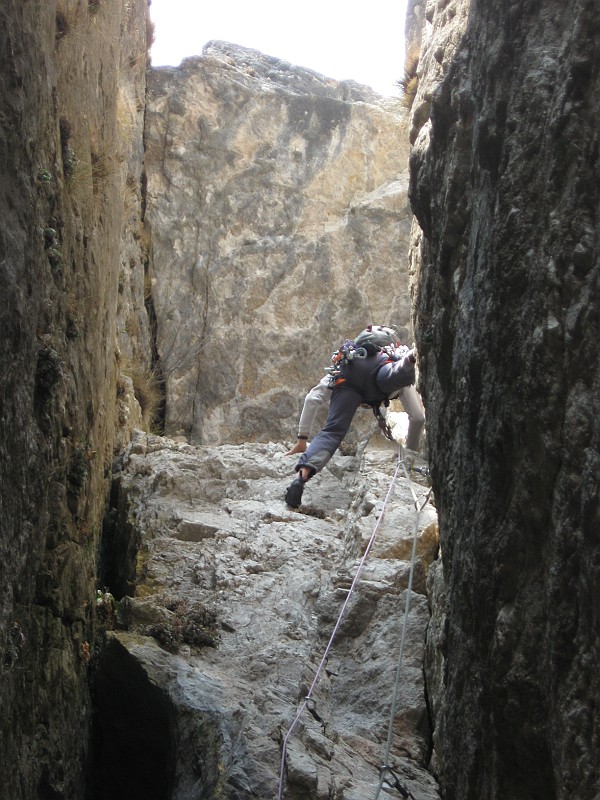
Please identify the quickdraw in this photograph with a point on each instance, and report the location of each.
(382, 422)
(342, 356)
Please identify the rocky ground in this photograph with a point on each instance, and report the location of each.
(236, 598)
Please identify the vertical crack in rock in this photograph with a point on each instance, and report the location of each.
(134, 740)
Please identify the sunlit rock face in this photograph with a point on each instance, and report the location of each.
(504, 178)
(277, 203)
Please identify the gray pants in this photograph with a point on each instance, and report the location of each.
(342, 408)
(370, 380)
(411, 403)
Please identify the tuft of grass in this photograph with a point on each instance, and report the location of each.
(195, 625)
(103, 168)
(63, 25)
(148, 392)
(66, 20)
(78, 178)
(409, 90)
(69, 157)
(148, 286)
(312, 511)
(150, 34)
(125, 119)
(409, 83)
(411, 61)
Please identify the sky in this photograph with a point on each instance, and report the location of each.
(342, 40)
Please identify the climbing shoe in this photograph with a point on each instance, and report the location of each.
(293, 494)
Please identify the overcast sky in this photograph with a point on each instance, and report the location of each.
(342, 40)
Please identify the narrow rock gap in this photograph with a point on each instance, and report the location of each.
(118, 548)
(133, 733)
(157, 367)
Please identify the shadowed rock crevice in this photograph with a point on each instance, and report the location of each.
(134, 731)
(118, 548)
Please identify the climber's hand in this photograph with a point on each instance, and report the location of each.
(299, 447)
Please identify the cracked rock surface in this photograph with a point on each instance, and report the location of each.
(236, 598)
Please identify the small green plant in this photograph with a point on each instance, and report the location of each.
(85, 653)
(73, 323)
(44, 175)
(49, 372)
(106, 609)
(50, 235)
(78, 469)
(51, 244)
(48, 376)
(55, 257)
(70, 162)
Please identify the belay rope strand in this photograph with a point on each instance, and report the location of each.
(335, 630)
(385, 766)
(308, 698)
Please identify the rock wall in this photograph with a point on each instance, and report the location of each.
(71, 108)
(504, 177)
(229, 602)
(277, 201)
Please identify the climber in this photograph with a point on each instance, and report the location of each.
(320, 394)
(371, 370)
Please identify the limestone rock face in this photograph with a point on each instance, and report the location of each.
(71, 107)
(504, 182)
(278, 211)
(435, 28)
(230, 601)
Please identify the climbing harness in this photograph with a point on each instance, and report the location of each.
(309, 703)
(349, 351)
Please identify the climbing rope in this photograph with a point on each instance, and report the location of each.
(385, 767)
(308, 697)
